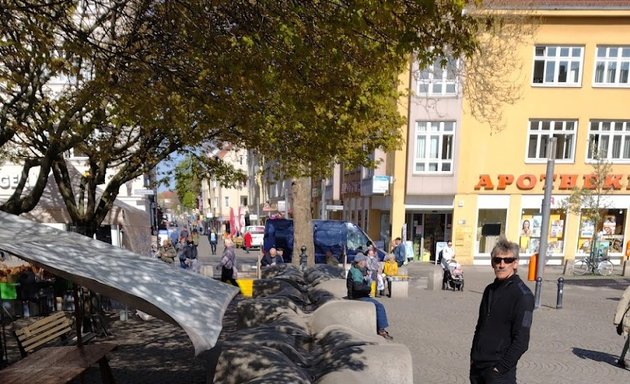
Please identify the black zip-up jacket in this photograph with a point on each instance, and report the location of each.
(505, 319)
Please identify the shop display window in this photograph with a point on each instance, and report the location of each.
(609, 231)
(490, 225)
(531, 225)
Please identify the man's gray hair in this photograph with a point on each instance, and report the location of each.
(505, 246)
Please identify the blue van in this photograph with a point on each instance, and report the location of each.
(334, 235)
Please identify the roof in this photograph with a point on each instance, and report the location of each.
(559, 4)
(194, 302)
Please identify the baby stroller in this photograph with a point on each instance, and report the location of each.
(453, 276)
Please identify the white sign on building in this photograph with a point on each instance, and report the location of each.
(380, 184)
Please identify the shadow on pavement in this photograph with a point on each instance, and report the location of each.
(613, 283)
(595, 355)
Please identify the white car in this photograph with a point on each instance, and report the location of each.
(258, 233)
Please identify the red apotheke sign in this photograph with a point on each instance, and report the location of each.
(528, 181)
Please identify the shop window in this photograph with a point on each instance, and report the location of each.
(490, 225)
(531, 226)
(609, 232)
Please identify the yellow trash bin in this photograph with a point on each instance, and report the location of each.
(247, 286)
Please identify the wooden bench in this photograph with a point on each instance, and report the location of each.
(43, 331)
(59, 365)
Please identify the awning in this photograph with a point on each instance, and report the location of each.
(135, 222)
(194, 302)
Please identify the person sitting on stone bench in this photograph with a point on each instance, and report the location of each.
(359, 286)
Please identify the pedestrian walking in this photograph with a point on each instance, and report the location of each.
(247, 241)
(213, 238)
(622, 322)
(228, 264)
(505, 319)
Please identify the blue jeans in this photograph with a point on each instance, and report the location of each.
(381, 315)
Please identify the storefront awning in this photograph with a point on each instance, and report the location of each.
(195, 302)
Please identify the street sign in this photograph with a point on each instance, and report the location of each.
(380, 184)
(331, 207)
(143, 191)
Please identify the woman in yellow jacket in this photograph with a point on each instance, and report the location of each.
(390, 269)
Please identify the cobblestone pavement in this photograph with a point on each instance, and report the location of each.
(576, 344)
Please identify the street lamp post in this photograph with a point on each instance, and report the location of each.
(546, 210)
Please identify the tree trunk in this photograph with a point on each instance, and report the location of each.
(302, 216)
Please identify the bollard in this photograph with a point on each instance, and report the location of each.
(303, 258)
(538, 292)
(560, 292)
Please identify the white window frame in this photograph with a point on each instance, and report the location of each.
(557, 128)
(435, 76)
(617, 134)
(227, 201)
(552, 56)
(609, 58)
(428, 156)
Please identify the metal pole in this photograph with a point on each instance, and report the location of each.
(538, 289)
(286, 202)
(546, 208)
(323, 199)
(560, 293)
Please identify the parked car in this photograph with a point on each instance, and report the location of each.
(258, 235)
(335, 235)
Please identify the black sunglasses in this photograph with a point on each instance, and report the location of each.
(506, 260)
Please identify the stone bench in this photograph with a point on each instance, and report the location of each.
(279, 340)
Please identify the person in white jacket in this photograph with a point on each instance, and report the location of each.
(622, 322)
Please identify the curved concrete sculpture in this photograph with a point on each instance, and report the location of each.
(334, 343)
(194, 302)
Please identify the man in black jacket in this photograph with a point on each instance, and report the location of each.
(505, 319)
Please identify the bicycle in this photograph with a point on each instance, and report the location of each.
(600, 265)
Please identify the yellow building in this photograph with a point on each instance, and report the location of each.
(574, 85)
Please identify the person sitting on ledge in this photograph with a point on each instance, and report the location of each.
(359, 286)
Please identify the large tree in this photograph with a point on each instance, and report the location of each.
(308, 84)
(315, 83)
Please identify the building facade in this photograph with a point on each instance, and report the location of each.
(574, 86)
(224, 208)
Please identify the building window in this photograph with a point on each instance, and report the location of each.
(540, 131)
(227, 201)
(531, 229)
(554, 65)
(434, 146)
(609, 233)
(612, 65)
(436, 80)
(609, 140)
(490, 225)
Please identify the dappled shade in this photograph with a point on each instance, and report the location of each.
(194, 302)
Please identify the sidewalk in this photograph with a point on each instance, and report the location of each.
(577, 344)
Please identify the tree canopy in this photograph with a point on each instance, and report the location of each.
(308, 83)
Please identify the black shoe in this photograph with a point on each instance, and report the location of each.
(621, 363)
(385, 334)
